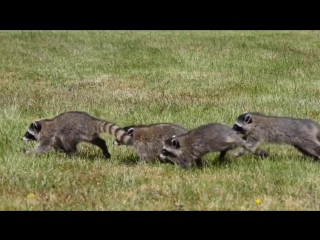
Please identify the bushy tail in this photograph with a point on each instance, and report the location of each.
(119, 133)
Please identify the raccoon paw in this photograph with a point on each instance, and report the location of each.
(261, 153)
(25, 151)
(142, 162)
(185, 165)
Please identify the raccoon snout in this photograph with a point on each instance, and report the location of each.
(237, 128)
(25, 139)
(162, 157)
(164, 154)
(116, 142)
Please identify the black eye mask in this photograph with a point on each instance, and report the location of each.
(164, 152)
(237, 128)
(29, 137)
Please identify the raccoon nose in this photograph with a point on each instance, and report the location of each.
(164, 152)
(236, 128)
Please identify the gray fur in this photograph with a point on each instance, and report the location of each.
(148, 140)
(186, 148)
(303, 134)
(64, 132)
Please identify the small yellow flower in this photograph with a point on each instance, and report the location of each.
(30, 195)
(258, 201)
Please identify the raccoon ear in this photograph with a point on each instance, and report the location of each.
(130, 131)
(248, 119)
(175, 143)
(37, 126)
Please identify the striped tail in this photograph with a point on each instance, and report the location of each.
(119, 133)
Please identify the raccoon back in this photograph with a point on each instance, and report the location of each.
(210, 135)
(283, 129)
(82, 125)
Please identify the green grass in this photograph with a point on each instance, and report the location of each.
(136, 77)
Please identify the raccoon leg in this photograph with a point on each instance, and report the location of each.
(261, 153)
(59, 146)
(258, 152)
(222, 156)
(38, 150)
(223, 153)
(142, 160)
(312, 150)
(143, 155)
(43, 146)
(241, 152)
(70, 149)
(182, 163)
(66, 145)
(252, 146)
(243, 142)
(201, 163)
(167, 160)
(29, 152)
(102, 145)
(304, 152)
(185, 164)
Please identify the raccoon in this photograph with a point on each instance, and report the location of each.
(185, 148)
(65, 131)
(148, 140)
(302, 134)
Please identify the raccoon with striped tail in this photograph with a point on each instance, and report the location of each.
(302, 134)
(148, 140)
(188, 147)
(65, 131)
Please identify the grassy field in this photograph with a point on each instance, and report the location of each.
(135, 77)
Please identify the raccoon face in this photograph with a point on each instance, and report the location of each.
(242, 121)
(31, 134)
(129, 130)
(171, 148)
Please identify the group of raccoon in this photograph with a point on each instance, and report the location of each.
(173, 142)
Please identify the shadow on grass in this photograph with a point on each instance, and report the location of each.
(211, 162)
(293, 157)
(276, 157)
(134, 159)
(131, 160)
